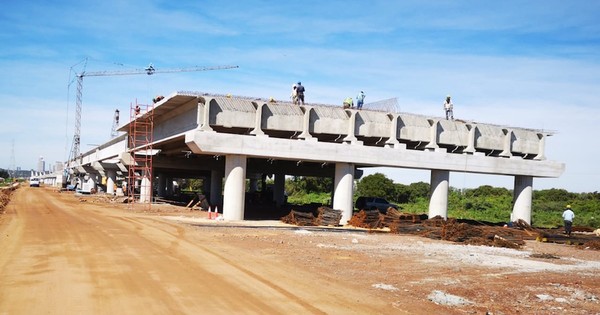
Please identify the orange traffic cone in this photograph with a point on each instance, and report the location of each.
(216, 212)
(209, 214)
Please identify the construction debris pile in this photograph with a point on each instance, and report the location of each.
(104, 198)
(439, 228)
(199, 202)
(325, 216)
(595, 244)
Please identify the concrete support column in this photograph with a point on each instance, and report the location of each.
(169, 186)
(343, 190)
(522, 199)
(161, 185)
(438, 204)
(216, 186)
(234, 191)
(111, 177)
(206, 187)
(145, 190)
(279, 189)
(89, 183)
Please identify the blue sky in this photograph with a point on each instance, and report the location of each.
(533, 64)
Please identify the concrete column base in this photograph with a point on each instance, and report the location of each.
(279, 189)
(438, 204)
(111, 178)
(145, 190)
(216, 187)
(523, 193)
(234, 191)
(343, 190)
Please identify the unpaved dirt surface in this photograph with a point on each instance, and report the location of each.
(65, 254)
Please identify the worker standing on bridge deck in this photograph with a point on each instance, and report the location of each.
(300, 92)
(360, 100)
(348, 102)
(449, 108)
(294, 94)
(568, 215)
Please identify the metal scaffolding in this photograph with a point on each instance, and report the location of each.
(141, 130)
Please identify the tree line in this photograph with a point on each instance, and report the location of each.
(485, 203)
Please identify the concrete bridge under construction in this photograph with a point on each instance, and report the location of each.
(228, 140)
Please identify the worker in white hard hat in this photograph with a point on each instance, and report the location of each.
(294, 94)
(568, 216)
(449, 108)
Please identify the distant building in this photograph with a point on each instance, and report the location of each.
(41, 166)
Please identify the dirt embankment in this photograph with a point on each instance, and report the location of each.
(5, 193)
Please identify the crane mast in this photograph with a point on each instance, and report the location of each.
(150, 70)
(113, 130)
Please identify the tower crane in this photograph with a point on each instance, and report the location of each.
(150, 70)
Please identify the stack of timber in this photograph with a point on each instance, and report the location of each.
(300, 218)
(394, 218)
(370, 219)
(328, 216)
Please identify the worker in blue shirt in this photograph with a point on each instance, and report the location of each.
(360, 100)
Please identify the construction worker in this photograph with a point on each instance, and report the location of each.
(568, 216)
(300, 92)
(137, 109)
(294, 94)
(449, 108)
(348, 102)
(157, 99)
(360, 100)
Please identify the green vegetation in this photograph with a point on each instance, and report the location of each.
(7, 180)
(305, 190)
(485, 203)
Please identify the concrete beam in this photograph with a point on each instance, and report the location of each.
(267, 147)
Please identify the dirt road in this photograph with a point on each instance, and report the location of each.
(60, 255)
